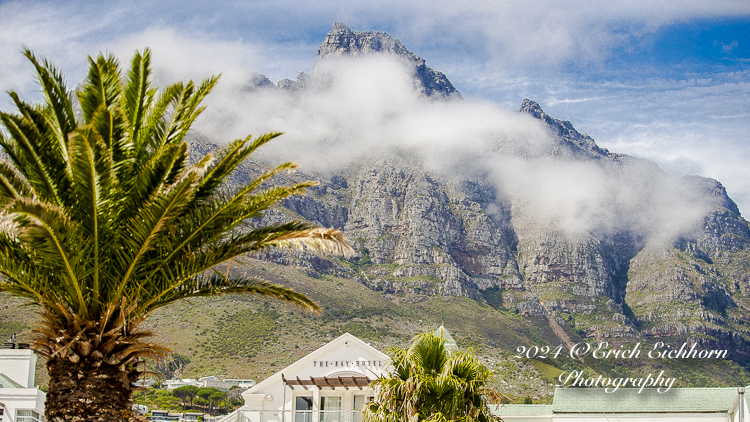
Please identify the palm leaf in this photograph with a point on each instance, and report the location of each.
(187, 109)
(216, 284)
(137, 94)
(154, 131)
(57, 98)
(26, 149)
(151, 225)
(12, 184)
(101, 89)
(92, 177)
(47, 231)
(231, 156)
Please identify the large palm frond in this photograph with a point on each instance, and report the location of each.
(104, 218)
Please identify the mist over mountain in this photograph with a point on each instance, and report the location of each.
(448, 196)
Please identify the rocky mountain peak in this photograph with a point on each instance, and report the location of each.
(342, 41)
(579, 144)
(533, 108)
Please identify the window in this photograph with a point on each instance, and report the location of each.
(330, 407)
(28, 416)
(303, 409)
(359, 404)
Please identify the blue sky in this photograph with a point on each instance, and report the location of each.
(669, 81)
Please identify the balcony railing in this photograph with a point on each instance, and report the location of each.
(299, 416)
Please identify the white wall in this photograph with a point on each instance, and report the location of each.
(18, 365)
(21, 398)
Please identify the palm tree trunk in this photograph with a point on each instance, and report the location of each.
(85, 393)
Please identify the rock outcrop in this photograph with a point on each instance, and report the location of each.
(432, 236)
(570, 141)
(343, 42)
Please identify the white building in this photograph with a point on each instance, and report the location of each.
(177, 383)
(330, 384)
(240, 382)
(146, 383)
(205, 382)
(20, 400)
(226, 383)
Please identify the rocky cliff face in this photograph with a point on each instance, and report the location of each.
(421, 234)
(427, 235)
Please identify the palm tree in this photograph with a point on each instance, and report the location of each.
(429, 382)
(104, 220)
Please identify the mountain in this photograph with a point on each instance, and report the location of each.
(620, 265)
(423, 234)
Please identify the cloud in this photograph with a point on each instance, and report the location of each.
(190, 44)
(555, 101)
(356, 105)
(727, 48)
(359, 108)
(693, 126)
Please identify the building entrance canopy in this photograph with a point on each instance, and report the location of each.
(328, 382)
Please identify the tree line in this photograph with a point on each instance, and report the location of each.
(189, 397)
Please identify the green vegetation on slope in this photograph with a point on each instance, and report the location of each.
(243, 333)
(247, 337)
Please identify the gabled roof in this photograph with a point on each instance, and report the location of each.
(629, 400)
(337, 342)
(6, 382)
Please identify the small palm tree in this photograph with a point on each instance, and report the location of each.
(103, 219)
(430, 383)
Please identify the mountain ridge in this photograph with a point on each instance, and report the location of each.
(428, 234)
